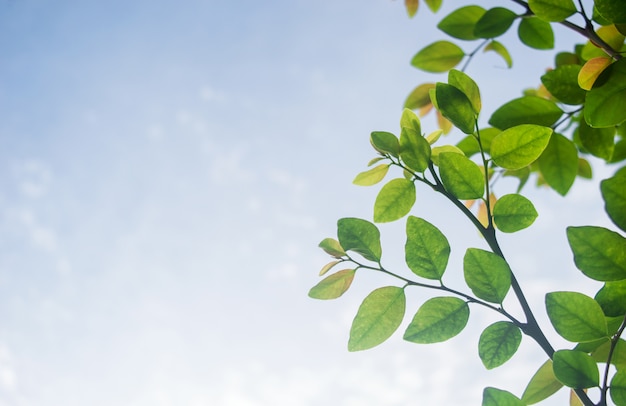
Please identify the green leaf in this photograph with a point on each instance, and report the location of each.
(411, 7)
(542, 385)
(566, 58)
(562, 83)
(461, 22)
(426, 250)
(559, 163)
(434, 5)
(461, 176)
(611, 10)
(513, 212)
(599, 142)
(469, 145)
(394, 200)
(419, 97)
(576, 317)
(584, 168)
(360, 236)
(618, 358)
(466, 85)
(332, 247)
(498, 343)
(614, 195)
(371, 176)
(618, 388)
(379, 316)
(385, 143)
(443, 149)
(414, 150)
(456, 107)
(498, 397)
(604, 103)
(575, 369)
(439, 56)
(599, 253)
(411, 121)
(519, 146)
(494, 22)
(526, 110)
(437, 320)
(612, 298)
(333, 286)
(536, 33)
(328, 267)
(501, 50)
(487, 275)
(552, 10)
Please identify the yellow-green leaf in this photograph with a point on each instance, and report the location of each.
(333, 286)
(371, 176)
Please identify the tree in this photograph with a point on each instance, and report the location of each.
(546, 134)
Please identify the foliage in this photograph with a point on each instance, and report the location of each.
(548, 133)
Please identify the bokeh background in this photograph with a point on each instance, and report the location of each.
(167, 170)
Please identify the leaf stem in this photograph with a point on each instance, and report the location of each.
(614, 340)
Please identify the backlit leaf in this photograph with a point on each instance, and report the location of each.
(426, 250)
(328, 267)
(599, 142)
(385, 143)
(414, 150)
(612, 298)
(442, 149)
(437, 320)
(614, 195)
(536, 33)
(576, 317)
(501, 50)
(542, 385)
(604, 104)
(559, 163)
(487, 275)
(461, 176)
(575, 369)
(333, 286)
(359, 236)
(494, 22)
(499, 397)
(591, 70)
(598, 252)
(519, 146)
(439, 56)
(434, 5)
(465, 84)
(419, 97)
(552, 10)
(498, 343)
(394, 200)
(610, 35)
(378, 317)
(371, 176)
(562, 83)
(513, 212)
(526, 110)
(411, 7)
(456, 107)
(461, 22)
(618, 388)
(332, 247)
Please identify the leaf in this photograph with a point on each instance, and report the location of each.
(562, 83)
(328, 267)
(371, 176)
(604, 104)
(599, 142)
(610, 35)
(434, 5)
(542, 385)
(394, 200)
(487, 275)
(434, 136)
(437, 320)
(414, 150)
(575, 369)
(498, 397)
(513, 212)
(599, 253)
(536, 33)
(526, 110)
(576, 317)
(439, 56)
(566, 58)
(411, 7)
(519, 146)
(494, 22)
(385, 143)
(419, 97)
(456, 107)
(465, 84)
(614, 195)
(332, 247)
(618, 388)
(611, 10)
(333, 286)
(498, 343)
(612, 298)
(501, 50)
(559, 163)
(461, 22)
(426, 250)
(584, 168)
(618, 358)
(442, 149)
(360, 236)
(552, 10)
(460, 176)
(378, 317)
(591, 70)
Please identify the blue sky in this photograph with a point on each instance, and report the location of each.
(166, 172)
